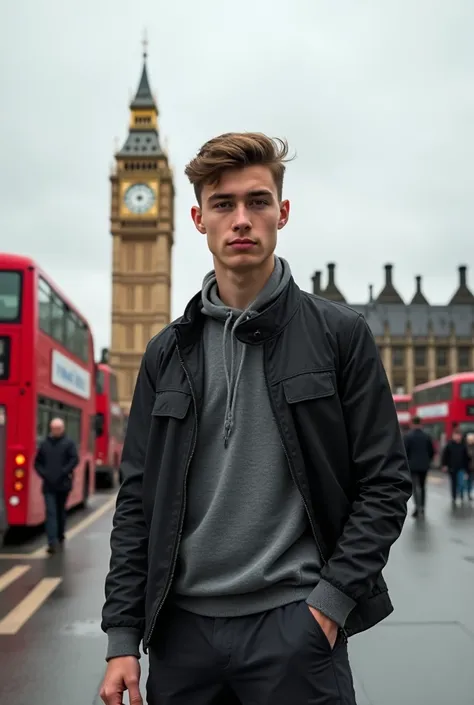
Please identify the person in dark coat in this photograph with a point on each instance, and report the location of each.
(55, 462)
(420, 451)
(455, 461)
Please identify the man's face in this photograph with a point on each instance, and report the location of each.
(457, 436)
(57, 429)
(240, 217)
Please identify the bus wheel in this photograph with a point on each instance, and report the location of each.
(85, 495)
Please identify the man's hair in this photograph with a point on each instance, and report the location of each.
(236, 150)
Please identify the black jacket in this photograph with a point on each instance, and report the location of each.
(420, 450)
(455, 456)
(55, 461)
(339, 429)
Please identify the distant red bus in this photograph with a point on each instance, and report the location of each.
(445, 403)
(46, 370)
(110, 425)
(402, 405)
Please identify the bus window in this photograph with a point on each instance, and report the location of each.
(99, 381)
(10, 296)
(466, 390)
(99, 425)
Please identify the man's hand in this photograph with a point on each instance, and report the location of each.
(329, 627)
(123, 673)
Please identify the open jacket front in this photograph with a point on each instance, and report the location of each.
(339, 429)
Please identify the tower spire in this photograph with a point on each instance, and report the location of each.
(143, 138)
(144, 97)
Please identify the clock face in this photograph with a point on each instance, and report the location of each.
(139, 198)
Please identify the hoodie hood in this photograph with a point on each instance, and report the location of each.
(232, 349)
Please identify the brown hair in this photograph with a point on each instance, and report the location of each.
(236, 150)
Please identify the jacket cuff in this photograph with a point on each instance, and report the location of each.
(331, 602)
(123, 641)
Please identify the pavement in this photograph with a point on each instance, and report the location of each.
(52, 649)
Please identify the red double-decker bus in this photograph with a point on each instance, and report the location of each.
(445, 403)
(402, 405)
(46, 371)
(110, 424)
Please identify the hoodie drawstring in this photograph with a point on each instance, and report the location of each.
(232, 384)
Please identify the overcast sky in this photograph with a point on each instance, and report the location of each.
(376, 97)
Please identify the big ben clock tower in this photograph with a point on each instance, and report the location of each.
(142, 230)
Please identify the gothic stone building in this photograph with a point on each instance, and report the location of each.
(418, 342)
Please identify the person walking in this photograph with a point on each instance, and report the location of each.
(264, 473)
(420, 452)
(55, 461)
(455, 461)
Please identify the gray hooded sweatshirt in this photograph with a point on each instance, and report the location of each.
(246, 545)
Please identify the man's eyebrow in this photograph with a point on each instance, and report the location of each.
(230, 196)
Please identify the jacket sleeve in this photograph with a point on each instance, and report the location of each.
(446, 455)
(39, 461)
(431, 450)
(73, 458)
(382, 475)
(123, 614)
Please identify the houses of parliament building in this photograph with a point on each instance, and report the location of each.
(418, 341)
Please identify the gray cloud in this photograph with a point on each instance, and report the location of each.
(376, 99)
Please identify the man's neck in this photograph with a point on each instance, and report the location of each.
(239, 289)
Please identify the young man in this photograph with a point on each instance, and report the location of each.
(265, 477)
(420, 452)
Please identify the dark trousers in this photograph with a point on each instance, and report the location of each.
(419, 488)
(458, 482)
(55, 516)
(469, 483)
(279, 657)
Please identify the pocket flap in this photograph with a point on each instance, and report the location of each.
(311, 385)
(171, 402)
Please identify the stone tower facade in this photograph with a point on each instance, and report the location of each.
(142, 228)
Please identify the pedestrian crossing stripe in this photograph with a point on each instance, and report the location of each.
(24, 610)
(19, 615)
(11, 575)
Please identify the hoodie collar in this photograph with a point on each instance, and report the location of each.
(261, 326)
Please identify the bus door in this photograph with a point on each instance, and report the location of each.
(3, 451)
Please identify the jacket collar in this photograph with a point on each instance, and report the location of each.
(265, 325)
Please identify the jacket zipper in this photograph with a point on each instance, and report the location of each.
(183, 510)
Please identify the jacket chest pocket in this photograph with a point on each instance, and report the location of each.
(312, 399)
(171, 404)
(309, 386)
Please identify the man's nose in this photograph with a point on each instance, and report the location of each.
(242, 220)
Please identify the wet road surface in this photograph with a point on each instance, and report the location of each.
(52, 649)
